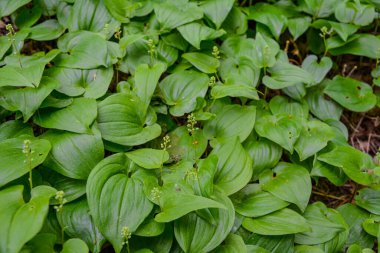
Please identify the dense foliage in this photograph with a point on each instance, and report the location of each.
(185, 126)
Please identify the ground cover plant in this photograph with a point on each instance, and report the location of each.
(189, 126)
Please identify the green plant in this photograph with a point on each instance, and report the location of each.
(189, 126)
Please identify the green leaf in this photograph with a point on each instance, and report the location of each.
(369, 200)
(91, 15)
(73, 155)
(148, 158)
(321, 107)
(82, 49)
(25, 70)
(314, 136)
(307, 249)
(288, 179)
(123, 120)
(353, 162)
(217, 10)
(298, 26)
(334, 174)
(186, 147)
(195, 33)
(181, 90)
(174, 13)
(74, 245)
(354, 217)
(283, 222)
(22, 221)
(251, 201)
(72, 188)
(266, 50)
(47, 30)
(354, 95)
(233, 244)
(76, 220)
(363, 45)
(150, 227)
(41, 243)
(176, 204)
(256, 249)
(14, 129)
(236, 22)
(284, 105)
(77, 117)
(19, 37)
(284, 74)
(264, 153)
(274, 244)
(234, 90)
(146, 79)
(318, 69)
(115, 182)
(355, 13)
(318, 8)
(281, 129)
(203, 62)
(238, 71)
(92, 83)
(234, 166)
(124, 10)
(28, 99)
(15, 162)
(231, 121)
(270, 16)
(195, 234)
(8, 7)
(323, 222)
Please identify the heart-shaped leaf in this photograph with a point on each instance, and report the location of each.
(195, 33)
(20, 155)
(175, 205)
(77, 117)
(231, 121)
(353, 162)
(123, 120)
(148, 158)
(266, 50)
(174, 13)
(251, 201)
(75, 82)
(217, 10)
(73, 155)
(287, 181)
(115, 182)
(181, 90)
(74, 245)
(78, 50)
(146, 79)
(203, 62)
(285, 74)
(234, 166)
(281, 129)
(78, 223)
(351, 94)
(324, 225)
(28, 99)
(47, 30)
(369, 199)
(318, 69)
(22, 221)
(195, 234)
(264, 153)
(282, 222)
(314, 137)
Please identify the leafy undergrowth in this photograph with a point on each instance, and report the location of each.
(189, 126)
